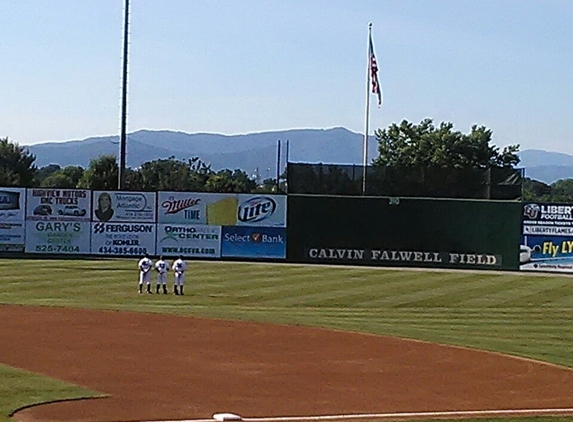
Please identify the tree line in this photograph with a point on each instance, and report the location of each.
(17, 169)
(406, 144)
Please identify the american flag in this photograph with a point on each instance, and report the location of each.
(374, 73)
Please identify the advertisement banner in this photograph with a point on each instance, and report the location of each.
(58, 237)
(547, 237)
(12, 216)
(221, 209)
(127, 239)
(58, 204)
(189, 240)
(262, 210)
(253, 242)
(216, 209)
(116, 206)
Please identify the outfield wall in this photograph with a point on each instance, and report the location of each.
(404, 232)
(320, 229)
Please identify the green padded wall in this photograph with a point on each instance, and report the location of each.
(404, 232)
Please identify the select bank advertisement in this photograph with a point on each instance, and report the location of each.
(58, 237)
(253, 242)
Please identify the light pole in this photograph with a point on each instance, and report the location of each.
(123, 134)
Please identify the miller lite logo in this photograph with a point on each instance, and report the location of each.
(256, 209)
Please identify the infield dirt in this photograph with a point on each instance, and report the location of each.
(161, 367)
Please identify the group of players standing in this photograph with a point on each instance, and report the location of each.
(145, 265)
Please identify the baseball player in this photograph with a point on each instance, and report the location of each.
(161, 267)
(179, 267)
(145, 265)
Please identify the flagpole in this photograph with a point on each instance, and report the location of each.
(367, 113)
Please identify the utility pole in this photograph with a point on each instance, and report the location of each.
(123, 135)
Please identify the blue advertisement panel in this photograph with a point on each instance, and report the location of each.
(12, 219)
(547, 237)
(253, 242)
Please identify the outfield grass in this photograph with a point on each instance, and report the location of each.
(518, 314)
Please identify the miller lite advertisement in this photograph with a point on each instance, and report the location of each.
(125, 239)
(261, 210)
(547, 237)
(218, 209)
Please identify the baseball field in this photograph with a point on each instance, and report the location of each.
(280, 343)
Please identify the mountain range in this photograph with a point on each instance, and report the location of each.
(258, 153)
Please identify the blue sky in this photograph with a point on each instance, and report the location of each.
(246, 66)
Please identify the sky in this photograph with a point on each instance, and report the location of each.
(244, 66)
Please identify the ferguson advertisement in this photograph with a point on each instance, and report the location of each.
(547, 237)
(12, 230)
(123, 206)
(126, 239)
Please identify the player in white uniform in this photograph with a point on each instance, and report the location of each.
(161, 267)
(179, 267)
(145, 265)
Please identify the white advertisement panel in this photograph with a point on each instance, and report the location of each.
(116, 206)
(189, 240)
(12, 216)
(261, 210)
(128, 239)
(217, 209)
(58, 204)
(58, 237)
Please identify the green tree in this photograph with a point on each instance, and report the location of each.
(534, 190)
(172, 174)
(101, 174)
(67, 178)
(424, 145)
(227, 181)
(133, 180)
(562, 191)
(43, 172)
(17, 166)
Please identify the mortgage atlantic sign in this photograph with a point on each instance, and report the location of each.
(397, 257)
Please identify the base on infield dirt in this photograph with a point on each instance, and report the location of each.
(227, 417)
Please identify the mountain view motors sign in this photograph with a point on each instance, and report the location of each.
(128, 239)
